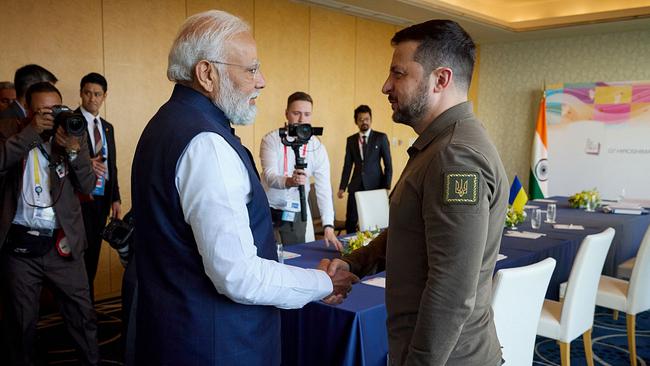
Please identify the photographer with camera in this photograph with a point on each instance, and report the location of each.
(45, 163)
(281, 178)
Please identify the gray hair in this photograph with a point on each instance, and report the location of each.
(203, 36)
(6, 85)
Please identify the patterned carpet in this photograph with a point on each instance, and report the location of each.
(609, 338)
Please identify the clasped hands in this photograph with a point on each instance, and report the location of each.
(342, 279)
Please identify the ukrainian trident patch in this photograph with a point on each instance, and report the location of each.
(461, 188)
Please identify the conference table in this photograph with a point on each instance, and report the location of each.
(354, 332)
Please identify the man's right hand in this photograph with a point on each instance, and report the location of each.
(340, 194)
(42, 120)
(342, 279)
(298, 178)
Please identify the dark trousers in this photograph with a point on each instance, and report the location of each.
(288, 232)
(95, 213)
(351, 215)
(24, 279)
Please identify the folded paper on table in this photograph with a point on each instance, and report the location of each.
(501, 256)
(524, 234)
(568, 227)
(290, 255)
(376, 281)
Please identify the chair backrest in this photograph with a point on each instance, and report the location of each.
(638, 293)
(517, 298)
(580, 299)
(372, 207)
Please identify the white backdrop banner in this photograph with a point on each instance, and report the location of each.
(599, 137)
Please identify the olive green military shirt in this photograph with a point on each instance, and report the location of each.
(446, 219)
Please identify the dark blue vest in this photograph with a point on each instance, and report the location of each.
(181, 318)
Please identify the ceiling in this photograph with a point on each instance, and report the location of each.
(490, 21)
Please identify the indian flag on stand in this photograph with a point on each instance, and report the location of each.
(538, 181)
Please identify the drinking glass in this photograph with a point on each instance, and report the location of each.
(591, 204)
(536, 218)
(551, 212)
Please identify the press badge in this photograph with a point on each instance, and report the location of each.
(288, 216)
(60, 170)
(100, 183)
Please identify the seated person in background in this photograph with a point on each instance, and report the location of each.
(41, 227)
(281, 180)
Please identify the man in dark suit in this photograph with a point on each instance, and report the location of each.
(364, 150)
(101, 146)
(41, 228)
(25, 77)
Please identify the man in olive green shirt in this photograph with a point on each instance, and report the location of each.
(446, 211)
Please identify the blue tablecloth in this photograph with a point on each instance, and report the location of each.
(354, 333)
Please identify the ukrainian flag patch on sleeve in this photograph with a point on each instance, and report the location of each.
(461, 188)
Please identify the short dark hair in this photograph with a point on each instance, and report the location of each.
(299, 96)
(6, 85)
(362, 109)
(94, 78)
(29, 75)
(442, 43)
(42, 87)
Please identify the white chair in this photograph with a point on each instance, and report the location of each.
(566, 321)
(517, 297)
(624, 270)
(631, 297)
(372, 207)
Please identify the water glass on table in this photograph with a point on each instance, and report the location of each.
(536, 218)
(551, 213)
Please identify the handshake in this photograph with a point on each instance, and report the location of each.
(342, 279)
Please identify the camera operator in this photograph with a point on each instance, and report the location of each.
(41, 228)
(280, 179)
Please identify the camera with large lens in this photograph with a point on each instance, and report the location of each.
(302, 132)
(73, 123)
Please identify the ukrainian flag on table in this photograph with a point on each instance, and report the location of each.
(518, 197)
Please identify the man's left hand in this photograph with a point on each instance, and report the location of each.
(330, 237)
(117, 209)
(70, 143)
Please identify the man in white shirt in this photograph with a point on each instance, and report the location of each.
(209, 284)
(281, 180)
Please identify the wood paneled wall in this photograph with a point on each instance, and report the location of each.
(341, 60)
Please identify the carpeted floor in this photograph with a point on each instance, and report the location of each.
(609, 340)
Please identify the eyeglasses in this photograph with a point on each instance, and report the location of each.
(253, 69)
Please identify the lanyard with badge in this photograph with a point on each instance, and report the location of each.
(46, 213)
(41, 211)
(292, 206)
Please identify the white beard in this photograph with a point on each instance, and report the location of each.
(234, 104)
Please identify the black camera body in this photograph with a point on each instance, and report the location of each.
(73, 123)
(118, 233)
(302, 132)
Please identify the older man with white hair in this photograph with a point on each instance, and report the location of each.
(209, 282)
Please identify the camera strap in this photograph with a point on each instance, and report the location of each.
(286, 159)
